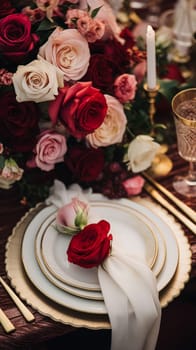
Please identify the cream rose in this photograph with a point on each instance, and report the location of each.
(37, 81)
(113, 127)
(69, 51)
(140, 153)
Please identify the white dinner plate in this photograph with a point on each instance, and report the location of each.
(129, 232)
(57, 253)
(81, 304)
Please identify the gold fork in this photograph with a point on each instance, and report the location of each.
(23, 309)
(5, 322)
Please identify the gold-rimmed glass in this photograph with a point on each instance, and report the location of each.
(184, 112)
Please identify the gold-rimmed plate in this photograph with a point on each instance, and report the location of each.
(130, 232)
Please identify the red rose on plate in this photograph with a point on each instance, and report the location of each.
(91, 246)
(81, 108)
(85, 164)
(19, 122)
(6, 8)
(16, 40)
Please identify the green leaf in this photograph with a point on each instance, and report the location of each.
(46, 25)
(95, 12)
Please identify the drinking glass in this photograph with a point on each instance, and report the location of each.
(184, 112)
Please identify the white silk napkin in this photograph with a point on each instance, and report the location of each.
(127, 284)
(131, 298)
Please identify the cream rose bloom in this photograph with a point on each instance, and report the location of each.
(113, 127)
(141, 152)
(69, 51)
(37, 81)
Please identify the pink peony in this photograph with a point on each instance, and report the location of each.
(125, 87)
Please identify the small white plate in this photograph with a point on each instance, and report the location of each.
(129, 232)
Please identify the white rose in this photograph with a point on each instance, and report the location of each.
(69, 51)
(37, 81)
(113, 127)
(141, 152)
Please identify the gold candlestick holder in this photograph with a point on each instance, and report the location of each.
(151, 94)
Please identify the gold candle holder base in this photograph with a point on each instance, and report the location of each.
(151, 94)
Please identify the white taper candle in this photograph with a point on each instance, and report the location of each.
(151, 58)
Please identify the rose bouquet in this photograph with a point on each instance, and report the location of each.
(72, 102)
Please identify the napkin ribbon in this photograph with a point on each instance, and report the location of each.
(128, 286)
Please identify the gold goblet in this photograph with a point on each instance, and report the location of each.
(184, 112)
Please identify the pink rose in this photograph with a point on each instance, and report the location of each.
(133, 186)
(125, 87)
(81, 108)
(68, 50)
(72, 217)
(50, 149)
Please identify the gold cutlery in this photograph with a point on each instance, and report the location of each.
(187, 210)
(5, 322)
(156, 195)
(23, 309)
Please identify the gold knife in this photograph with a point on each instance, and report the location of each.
(5, 322)
(187, 210)
(23, 309)
(156, 195)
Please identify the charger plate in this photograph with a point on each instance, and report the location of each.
(50, 248)
(41, 303)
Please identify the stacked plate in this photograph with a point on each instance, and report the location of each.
(136, 229)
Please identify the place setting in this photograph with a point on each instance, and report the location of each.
(86, 144)
(72, 294)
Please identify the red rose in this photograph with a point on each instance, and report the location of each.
(81, 108)
(109, 59)
(91, 246)
(6, 8)
(102, 71)
(16, 40)
(19, 123)
(85, 164)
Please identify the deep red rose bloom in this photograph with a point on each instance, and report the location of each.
(16, 40)
(109, 59)
(91, 246)
(114, 51)
(18, 123)
(6, 8)
(102, 72)
(85, 164)
(81, 108)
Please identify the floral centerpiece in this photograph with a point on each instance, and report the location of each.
(72, 101)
